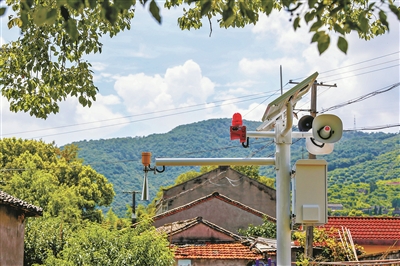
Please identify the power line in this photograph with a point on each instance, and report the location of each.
(359, 74)
(186, 107)
(373, 127)
(149, 113)
(361, 98)
(340, 68)
(395, 60)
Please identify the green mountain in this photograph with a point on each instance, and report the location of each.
(358, 158)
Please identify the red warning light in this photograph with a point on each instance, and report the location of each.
(238, 131)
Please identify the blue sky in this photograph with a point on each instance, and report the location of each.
(154, 77)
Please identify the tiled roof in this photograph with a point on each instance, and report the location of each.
(266, 244)
(29, 209)
(371, 228)
(209, 197)
(217, 176)
(179, 226)
(229, 251)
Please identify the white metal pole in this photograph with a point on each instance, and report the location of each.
(283, 170)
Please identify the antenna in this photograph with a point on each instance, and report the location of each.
(355, 123)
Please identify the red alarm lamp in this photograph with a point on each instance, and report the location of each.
(238, 131)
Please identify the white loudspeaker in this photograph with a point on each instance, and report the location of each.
(318, 148)
(327, 128)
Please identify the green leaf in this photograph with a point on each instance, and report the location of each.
(2, 11)
(311, 3)
(51, 16)
(395, 10)
(296, 23)
(251, 15)
(228, 16)
(64, 12)
(205, 7)
(364, 24)
(383, 18)
(309, 16)
(323, 42)
(123, 4)
(40, 16)
(155, 11)
(338, 28)
(315, 37)
(70, 28)
(318, 24)
(92, 3)
(268, 5)
(342, 44)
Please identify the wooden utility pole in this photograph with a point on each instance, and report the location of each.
(308, 250)
(133, 204)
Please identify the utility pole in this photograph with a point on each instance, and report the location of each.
(273, 118)
(133, 204)
(308, 251)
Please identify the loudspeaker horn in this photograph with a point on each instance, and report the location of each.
(327, 128)
(318, 148)
(145, 189)
(305, 123)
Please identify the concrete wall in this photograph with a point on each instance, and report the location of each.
(216, 211)
(232, 184)
(12, 230)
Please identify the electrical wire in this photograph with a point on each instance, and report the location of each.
(340, 68)
(361, 98)
(151, 113)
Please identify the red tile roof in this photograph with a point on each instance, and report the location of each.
(229, 251)
(368, 228)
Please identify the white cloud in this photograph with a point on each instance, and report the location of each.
(181, 86)
(98, 66)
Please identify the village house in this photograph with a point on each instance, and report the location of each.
(225, 180)
(216, 208)
(13, 213)
(374, 234)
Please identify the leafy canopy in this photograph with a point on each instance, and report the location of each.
(50, 241)
(45, 65)
(40, 174)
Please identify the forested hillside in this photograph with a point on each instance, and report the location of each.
(358, 163)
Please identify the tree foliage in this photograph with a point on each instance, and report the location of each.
(51, 241)
(45, 65)
(73, 230)
(38, 173)
(332, 247)
(267, 230)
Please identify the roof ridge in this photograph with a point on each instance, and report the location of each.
(216, 195)
(208, 173)
(14, 202)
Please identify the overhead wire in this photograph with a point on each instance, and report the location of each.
(358, 63)
(362, 98)
(150, 113)
(178, 108)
